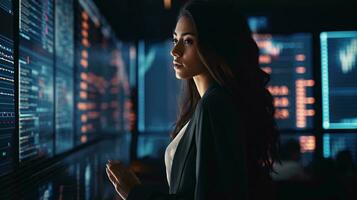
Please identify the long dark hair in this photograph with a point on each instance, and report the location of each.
(231, 56)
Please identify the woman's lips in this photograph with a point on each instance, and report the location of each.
(177, 65)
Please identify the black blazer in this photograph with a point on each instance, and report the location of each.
(209, 162)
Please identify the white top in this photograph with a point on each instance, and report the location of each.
(170, 152)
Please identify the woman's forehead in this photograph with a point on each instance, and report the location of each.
(184, 26)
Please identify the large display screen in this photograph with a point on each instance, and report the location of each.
(339, 79)
(288, 60)
(72, 81)
(36, 69)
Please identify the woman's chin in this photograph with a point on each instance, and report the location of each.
(181, 76)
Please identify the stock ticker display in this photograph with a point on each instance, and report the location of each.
(339, 79)
(158, 88)
(64, 70)
(36, 88)
(7, 87)
(288, 60)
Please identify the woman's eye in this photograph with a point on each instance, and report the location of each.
(174, 41)
(188, 42)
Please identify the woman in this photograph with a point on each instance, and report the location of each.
(225, 138)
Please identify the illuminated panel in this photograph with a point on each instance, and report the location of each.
(101, 75)
(87, 30)
(158, 89)
(339, 82)
(36, 91)
(288, 61)
(64, 43)
(7, 97)
(333, 144)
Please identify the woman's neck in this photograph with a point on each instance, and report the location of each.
(202, 82)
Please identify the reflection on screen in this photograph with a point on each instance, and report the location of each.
(158, 89)
(339, 82)
(7, 96)
(36, 93)
(288, 60)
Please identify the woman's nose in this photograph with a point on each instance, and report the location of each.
(175, 52)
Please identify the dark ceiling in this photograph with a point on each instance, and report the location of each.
(134, 19)
(138, 19)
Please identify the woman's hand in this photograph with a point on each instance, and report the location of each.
(122, 178)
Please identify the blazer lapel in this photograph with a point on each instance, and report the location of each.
(180, 157)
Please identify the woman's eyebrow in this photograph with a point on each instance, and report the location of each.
(183, 34)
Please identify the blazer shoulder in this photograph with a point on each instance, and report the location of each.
(217, 98)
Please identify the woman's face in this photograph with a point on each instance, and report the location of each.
(187, 62)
